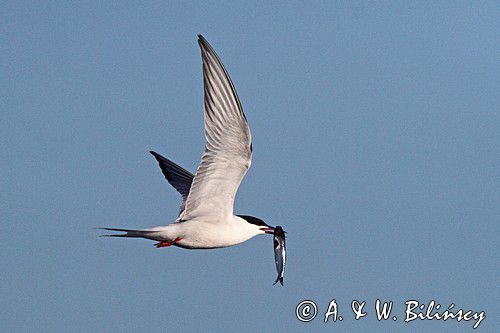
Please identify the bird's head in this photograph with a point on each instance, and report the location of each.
(278, 231)
(263, 226)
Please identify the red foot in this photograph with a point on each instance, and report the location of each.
(169, 243)
(163, 244)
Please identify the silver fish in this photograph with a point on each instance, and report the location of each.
(279, 253)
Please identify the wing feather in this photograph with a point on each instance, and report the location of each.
(177, 176)
(227, 154)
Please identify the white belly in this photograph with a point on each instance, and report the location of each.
(197, 234)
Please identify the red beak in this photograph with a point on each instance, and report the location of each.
(268, 230)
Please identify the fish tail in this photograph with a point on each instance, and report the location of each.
(280, 279)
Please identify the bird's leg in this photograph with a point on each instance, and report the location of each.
(168, 243)
(163, 244)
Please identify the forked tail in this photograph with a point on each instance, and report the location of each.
(129, 233)
(280, 279)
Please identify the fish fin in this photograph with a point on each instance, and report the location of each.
(280, 279)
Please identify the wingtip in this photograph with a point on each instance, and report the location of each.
(157, 156)
(202, 41)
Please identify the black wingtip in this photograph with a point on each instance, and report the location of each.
(204, 44)
(202, 39)
(157, 156)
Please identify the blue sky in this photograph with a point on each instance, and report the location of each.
(376, 145)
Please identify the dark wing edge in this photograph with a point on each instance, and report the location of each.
(176, 175)
(205, 45)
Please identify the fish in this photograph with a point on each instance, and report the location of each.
(279, 253)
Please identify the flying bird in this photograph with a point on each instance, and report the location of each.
(206, 219)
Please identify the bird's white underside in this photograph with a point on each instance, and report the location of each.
(207, 220)
(207, 234)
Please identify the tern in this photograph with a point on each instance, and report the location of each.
(206, 219)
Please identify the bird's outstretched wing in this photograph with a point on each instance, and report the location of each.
(228, 148)
(177, 176)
